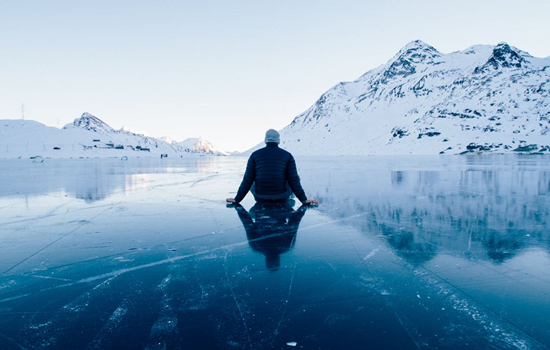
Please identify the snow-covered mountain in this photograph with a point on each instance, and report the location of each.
(482, 99)
(89, 136)
(90, 122)
(197, 145)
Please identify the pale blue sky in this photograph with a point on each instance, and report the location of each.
(224, 70)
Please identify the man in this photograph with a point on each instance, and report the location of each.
(271, 175)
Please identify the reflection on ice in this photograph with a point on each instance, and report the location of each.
(271, 229)
(408, 253)
(92, 179)
(490, 212)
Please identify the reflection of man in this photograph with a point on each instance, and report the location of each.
(271, 175)
(271, 229)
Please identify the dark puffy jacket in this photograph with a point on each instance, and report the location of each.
(271, 169)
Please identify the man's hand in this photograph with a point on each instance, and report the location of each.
(230, 200)
(312, 202)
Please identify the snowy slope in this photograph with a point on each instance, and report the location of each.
(88, 136)
(196, 145)
(482, 99)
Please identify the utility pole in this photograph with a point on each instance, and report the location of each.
(23, 111)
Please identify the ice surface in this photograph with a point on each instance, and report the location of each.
(403, 252)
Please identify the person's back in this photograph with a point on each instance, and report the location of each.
(273, 171)
(271, 174)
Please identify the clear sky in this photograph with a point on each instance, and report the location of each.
(224, 70)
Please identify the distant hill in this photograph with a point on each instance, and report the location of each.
(483, 99)
(89, 136)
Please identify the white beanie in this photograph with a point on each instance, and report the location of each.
(272, 135)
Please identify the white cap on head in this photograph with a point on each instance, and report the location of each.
(272, 135)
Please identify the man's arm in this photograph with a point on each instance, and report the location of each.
(248, 180)
(294, 180)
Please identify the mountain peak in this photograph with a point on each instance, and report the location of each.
(417, 51)
(405, 62)
(90, 122)
(416, 44)
(506, 56)
(503, 56)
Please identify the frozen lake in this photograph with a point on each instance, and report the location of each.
(403, 252)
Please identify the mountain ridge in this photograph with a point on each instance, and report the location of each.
(89, 136)
(482, 99)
